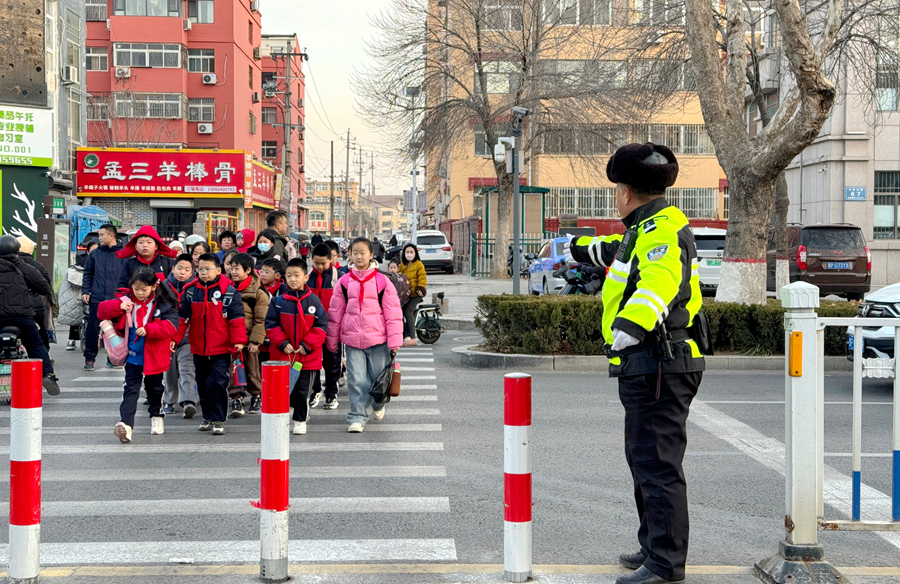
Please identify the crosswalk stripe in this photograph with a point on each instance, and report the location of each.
(414, 398)
(97, 378)
(163, 552)
(311, 505)
(417, 377)
(414, 360)
(416, 369)
(316, 425)
(135, 449)
(196, 474)
(402, 387)
(93, 414)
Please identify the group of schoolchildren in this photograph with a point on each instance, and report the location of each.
(193, 321)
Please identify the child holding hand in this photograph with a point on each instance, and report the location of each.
(153, 318)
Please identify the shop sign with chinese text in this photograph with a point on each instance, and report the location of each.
(117, 172)
(262, 187)
(26, 136)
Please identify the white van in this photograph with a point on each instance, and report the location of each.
(434, 250)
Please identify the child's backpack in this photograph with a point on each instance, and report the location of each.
(380, 291)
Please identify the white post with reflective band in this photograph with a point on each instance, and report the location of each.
(517, 556)
(25, 427)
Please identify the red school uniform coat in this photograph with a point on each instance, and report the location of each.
(298, 319)
(160, 330)
(322, 285)
(214, 314)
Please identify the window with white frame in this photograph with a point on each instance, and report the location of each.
(317, 216)
(887, 81)
(503, 15)
(584, 12)
(887, 201)
(482, 148)
(96, 59)
(147, 55)
(201, 11)
(201, 60)
(73, 40)
(269, 149)
(695, 203)
(201, 109)
(96, 10)
(252, 123)
(147, 7)
(664, 75)
(502, 77)
(98, 108)
(269, 115)
(150, 105)
(658, 12)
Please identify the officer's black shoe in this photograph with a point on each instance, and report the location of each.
(633, 561)
(644, 576)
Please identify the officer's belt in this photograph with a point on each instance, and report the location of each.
(652, 344)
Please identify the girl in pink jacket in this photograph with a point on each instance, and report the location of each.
(365, 316)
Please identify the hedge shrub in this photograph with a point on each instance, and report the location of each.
(542, 325)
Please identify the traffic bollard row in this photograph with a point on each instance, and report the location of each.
(517, 477)
(25, 425)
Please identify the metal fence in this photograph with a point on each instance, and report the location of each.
(481, 253)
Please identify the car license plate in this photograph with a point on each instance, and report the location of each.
(6, 369)
(5, 380)
(850, 342)
(713, 262)
(430, 251)
(838, 265)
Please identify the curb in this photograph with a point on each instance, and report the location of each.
(473, 359)
(459, 323)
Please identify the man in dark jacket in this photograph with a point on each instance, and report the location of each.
(18, 281)
(316, 239)
(101, 273)
(26, 249)
(277, 221)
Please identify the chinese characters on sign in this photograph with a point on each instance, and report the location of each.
(197, 173)
(26, 136)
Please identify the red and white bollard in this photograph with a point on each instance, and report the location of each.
(275, 472)
(517, 477)
(25, 425)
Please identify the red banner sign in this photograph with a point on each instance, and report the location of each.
(318, 224)
(262, 187)
(117, 172)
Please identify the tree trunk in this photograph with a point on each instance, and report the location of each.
(779, 223)
(504, 224)
(743, 277)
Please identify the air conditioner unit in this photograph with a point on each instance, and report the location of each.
(186, 24)
(254, 5)
(209, 79)
(204, 128)
(69, 75)
(255, 97)
(257, 53)
(123, 72)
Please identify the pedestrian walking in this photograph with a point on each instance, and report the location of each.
(322, 280)
(153, 322)
(651, 299)
(213, 318)
(365, 316)
(414, 270)
(102, 271)
(336, 258)
(316, 239)
(277, 222)
(226, 244)
(43, 303)
(255, 300)
(266, 249)
(271, 275)
(404, 290)
(145, 249)
(197, 250)
(180, 380)
(244, 240)
(296, 325)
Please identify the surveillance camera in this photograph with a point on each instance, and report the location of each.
(521, 111)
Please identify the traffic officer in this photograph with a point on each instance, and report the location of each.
(651, 296)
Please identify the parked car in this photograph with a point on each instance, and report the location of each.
(434, 250)
(833, 257)
(549, 259)
(883, 303)
(710, 247)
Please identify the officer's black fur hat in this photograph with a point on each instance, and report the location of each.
(645, 167)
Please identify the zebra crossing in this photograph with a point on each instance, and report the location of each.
(185, 496)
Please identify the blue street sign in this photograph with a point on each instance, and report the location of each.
(854, 193)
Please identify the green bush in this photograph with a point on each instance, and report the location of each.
(542, 325)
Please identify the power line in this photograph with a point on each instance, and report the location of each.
(319, 96)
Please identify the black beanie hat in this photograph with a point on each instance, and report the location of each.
(646, 167)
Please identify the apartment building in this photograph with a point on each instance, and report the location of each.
(346, 202)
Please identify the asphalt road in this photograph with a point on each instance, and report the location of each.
(424, 487)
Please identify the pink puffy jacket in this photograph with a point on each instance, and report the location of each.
(364, 324)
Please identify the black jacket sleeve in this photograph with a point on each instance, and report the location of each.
(35, 281)
(87, 279)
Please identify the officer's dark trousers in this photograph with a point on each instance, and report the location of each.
(656, 411)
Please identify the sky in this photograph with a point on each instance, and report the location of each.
(333, 33)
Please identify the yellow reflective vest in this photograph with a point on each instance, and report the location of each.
(656, 283)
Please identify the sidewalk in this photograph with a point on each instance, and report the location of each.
(462, 292)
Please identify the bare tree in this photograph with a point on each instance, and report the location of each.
(582, 72)
(121, 120)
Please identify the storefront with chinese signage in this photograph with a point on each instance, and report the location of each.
(26, 152)
(262, 182)
(168, 189)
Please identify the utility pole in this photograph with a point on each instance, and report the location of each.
(331, 217)
(359, 193)
(346, 223)
(375, 219)
(287, 128)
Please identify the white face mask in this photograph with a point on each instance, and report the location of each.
(264, 247)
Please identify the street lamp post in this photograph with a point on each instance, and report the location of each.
(515, 144)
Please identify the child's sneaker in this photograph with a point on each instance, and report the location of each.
(379, 414)
(168, 409)
(237, 408)
(190, 410)
(218, 428)
(156, 425)
(314, 399)
(355, 428)
(123, 432)
(205, 426)
(255, 405)
(331, 403)
(299, 428)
